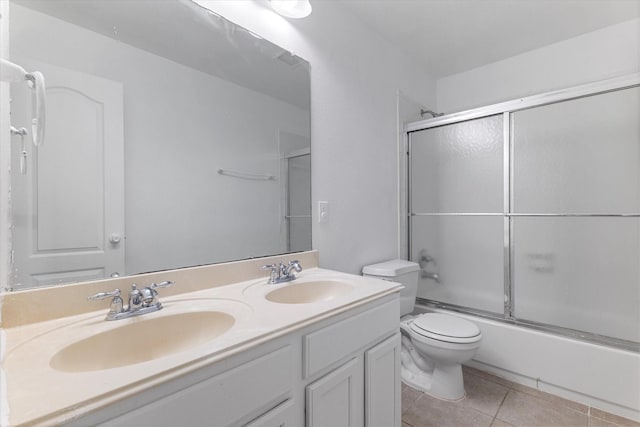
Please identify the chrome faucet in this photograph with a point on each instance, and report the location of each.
(282, 273)
(140, 301)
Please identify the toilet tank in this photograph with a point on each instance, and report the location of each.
(401, 271)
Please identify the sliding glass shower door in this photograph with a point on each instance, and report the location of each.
(576, 189)
(456, 197)
(532, 214)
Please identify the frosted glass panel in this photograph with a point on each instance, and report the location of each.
(458, 167)
(469, 260)
(579, 273)
(580, 156)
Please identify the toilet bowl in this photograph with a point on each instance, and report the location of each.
(434, 345)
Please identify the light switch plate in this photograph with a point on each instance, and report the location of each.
(323, 212)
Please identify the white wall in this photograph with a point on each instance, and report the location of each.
(609, 52)
(355, 76)
(173, 199)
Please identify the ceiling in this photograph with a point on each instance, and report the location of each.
(451, 36)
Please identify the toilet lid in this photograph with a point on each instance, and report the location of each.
(444, 327)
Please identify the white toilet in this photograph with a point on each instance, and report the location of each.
(434, 345)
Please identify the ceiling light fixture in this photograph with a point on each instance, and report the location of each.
(292, 8)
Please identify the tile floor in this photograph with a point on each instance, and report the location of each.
(495, 402)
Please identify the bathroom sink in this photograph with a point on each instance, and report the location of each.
(308, 292)
(141, 340)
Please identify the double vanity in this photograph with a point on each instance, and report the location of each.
(226, 349)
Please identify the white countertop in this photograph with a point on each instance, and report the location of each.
(40, 394)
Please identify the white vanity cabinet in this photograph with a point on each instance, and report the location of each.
(341, 371)
(365, 390)
(372, 382)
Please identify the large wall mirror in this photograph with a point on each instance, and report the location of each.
(174, 138)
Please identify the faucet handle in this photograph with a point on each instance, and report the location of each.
(116, 306)
(296, 265)
(102, 295)
(275, 272)
(164, 284)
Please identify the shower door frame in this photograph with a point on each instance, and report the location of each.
(506, 109)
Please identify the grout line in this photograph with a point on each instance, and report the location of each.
(501, 403)
(503, 399)
(405, 422)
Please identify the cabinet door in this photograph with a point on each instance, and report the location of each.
(337, 398)
(382, 384)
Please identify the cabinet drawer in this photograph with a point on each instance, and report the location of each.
(280, 416)
(333, 343)
(222, 400)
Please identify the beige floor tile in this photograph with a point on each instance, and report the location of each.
(613, 419)
(428, 411)
(483, 395)
(522, 409)
(513, 405)
(409, 395)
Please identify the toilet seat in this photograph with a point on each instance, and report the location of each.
(443, 327)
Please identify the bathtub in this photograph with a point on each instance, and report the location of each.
(595, 375)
